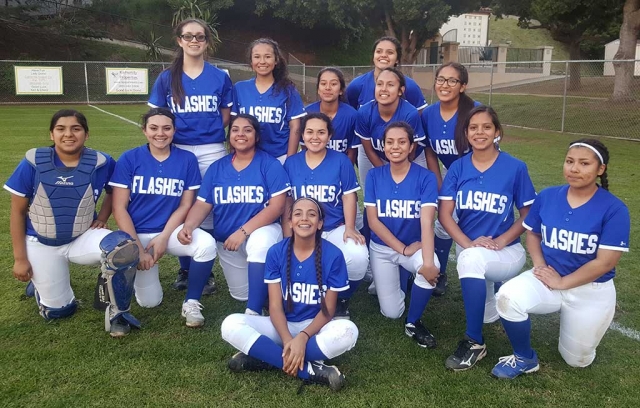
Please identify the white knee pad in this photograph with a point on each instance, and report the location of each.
(392, 308)
(205, 246)
(261, 240)
(149, 298)
(471, 263)
(508, 307)
(338, 337)
(357, 258)
(575, 353)
(238, 333)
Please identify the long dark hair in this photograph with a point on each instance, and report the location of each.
(340, 75)
(155, 112)
(255, 124)
(461, 141)
(395, 42)
(318, 256)
(282, 82)
(401, 79)
(317, 115)
(65, 113)
(177, 91)
(604, 152)
(465, 104)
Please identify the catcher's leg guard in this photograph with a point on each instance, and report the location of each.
(119, 260)
(50, 313)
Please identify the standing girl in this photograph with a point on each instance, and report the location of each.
(305, 273)
(272, 98)
(441, 122)
(200, 96)
(246, 190)
(483, 188)
(400, 199)
(154, 186)
(328, 176)
(576, 234)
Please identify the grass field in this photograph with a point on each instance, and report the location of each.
(73, 362)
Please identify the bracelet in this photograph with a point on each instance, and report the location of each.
(302, 331)
(403, 249)
(244, 232)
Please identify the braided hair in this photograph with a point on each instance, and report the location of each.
(604, 153)
(318, 258)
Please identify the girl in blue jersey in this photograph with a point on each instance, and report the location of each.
(154, 186)
(272, 98)
(246, 191)
(305, 274)
(328, 176)
(200, 96)
(483, 188)
(42, 251)
(576, 234)
(441, 122)
(387, 53)
(331, 88)
(400, 199)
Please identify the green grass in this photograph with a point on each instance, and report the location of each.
(506, 29)
(73, 362)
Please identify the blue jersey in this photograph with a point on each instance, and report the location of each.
(485, 200)
(155, 187)
(198, 120)
(22, 181)
(399, 204)
(571, 237)
(237, 196)
(273, 110)
(327, 183)
(441, 133)
(370, 125)
(305, 291)
(344, 127)
(363, 88)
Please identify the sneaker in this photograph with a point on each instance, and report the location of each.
(466, 355)
(420, 334)
(119, 328)
(441, 286)
(320, 373)
(210, 287)
(509, 367)
(342, 310)
(191, 311)
(241, 362)
(181, 280)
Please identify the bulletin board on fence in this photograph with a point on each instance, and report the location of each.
(127, 81)
(38, 80)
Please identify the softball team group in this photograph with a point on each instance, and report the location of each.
(285, 225)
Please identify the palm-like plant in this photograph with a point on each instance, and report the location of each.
(200, 9)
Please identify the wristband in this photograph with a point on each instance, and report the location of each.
(403, 249)
(244, 232)
(302, 331)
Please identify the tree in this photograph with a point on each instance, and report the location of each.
(202, 9)
(573, 22)
(626, 51)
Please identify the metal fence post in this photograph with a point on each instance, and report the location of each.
(564, 95)
(491, 85)
(304, 79)
(353, 70)
(434, 80)
(86, 83)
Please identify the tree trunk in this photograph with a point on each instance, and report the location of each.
(574, 67)
(626, 51)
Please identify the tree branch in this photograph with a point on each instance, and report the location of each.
(389, 21)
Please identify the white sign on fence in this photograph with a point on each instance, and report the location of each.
(38, 80)
(127, 81)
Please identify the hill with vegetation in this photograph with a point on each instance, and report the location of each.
(506, 31)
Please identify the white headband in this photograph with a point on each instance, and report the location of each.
(589, 147)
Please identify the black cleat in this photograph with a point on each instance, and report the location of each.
(119, 328)
(342, 310)
(181, 280)
(320, 373)
(241, 362)
(210, 287)
(466, 355)
(441, 286)
(420, 334)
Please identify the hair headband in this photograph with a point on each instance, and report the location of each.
(588, 146)
(309, 199)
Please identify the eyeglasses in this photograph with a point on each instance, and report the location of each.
(190, 37)
(450, 81)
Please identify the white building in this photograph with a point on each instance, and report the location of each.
(469, 30)
(610, 51)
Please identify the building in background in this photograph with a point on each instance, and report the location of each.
(469, 30)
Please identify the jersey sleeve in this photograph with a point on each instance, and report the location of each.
(370, 190)
(414, 95)
(338, 278)
(205, 193)
(21, 181)
(122, 176)
(194, 179)
(296, 107)
(235, 103)
(533, 222)
(277, 179)
(615, 229)
(159, 92)
(353, 141)
(450, 183)
(227, 92)
(429, 191)
(272, 265)
(416, 124)
(524, 192)
(353, 93)
(348, 176)
(362, 124)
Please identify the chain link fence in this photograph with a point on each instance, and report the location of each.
(565, 96)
